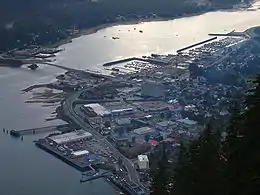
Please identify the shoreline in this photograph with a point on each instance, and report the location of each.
(95, 29)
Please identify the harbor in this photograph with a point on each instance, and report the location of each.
(82, 54)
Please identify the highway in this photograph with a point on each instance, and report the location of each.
(69, 111)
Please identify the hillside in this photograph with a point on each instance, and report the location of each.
(30, 22)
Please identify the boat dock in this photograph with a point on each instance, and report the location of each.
(18, 133)
(197, 44)
(150, 60)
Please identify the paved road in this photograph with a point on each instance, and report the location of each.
(73, 115)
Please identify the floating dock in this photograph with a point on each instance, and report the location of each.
(150, 60)
(196, 44)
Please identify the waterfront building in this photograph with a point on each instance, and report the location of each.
(70, 137)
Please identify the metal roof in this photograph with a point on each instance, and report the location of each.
(98, 109)
(70, 137)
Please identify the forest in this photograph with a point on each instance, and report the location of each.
(37, 22)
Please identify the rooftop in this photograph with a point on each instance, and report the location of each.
(98, 109)
(70, 137)
(187, 121)
(142, 130)
(143, 158)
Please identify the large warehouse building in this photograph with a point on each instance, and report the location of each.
(70, 137)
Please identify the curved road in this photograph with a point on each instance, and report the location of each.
(69, 111)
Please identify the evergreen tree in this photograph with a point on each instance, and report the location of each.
(201, 167)
(242, 146)
(162, 175)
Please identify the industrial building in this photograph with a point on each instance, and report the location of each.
(152, 89)
(124, 111)
(70, 137)
(143, 130)
(187, 122)
(80, 153)
(164, 125)
(143, 162)
(152, 106)
(96, 113)
(95, 109)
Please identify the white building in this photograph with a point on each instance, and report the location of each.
(97, 109)
(143, 162)
(70, 137)
(80, 153)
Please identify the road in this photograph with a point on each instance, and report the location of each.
(70, 112)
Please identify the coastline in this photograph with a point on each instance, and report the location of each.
(95, 29)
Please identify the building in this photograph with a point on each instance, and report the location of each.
(143, 162)
(96, 113)
(164, 125)
(143, 130)
(123, 121)
(123, 111)
(188, 123)
(152, 106)
(70, 137)
(80, 153)
(95, 109)
(152, 89)
(153, 142)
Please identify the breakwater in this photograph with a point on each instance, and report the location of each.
(150, 60)
(196, 44)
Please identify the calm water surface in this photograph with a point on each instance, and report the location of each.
(26, 170)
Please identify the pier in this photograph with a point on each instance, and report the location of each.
(18, 133)
(150, 60)
(196, 44)
(72, 162)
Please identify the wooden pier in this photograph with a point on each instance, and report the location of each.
(18, 133)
